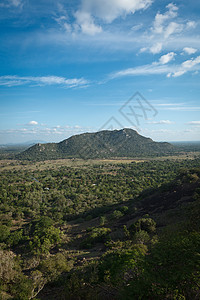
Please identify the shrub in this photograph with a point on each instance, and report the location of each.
(145, 224)
(4, 233)
(117, 214)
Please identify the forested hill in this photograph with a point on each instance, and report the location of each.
(102, 144)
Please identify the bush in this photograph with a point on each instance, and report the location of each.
(15, 237)
(115, 263)
(4, 233)
(117, 214)
(53, 266)
(103, 220)
(45, 236)
(97, 235)
(145, 224)
(170, 271)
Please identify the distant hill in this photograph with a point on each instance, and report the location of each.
(103, 144)
(24, 144)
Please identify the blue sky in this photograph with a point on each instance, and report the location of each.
(69, 67)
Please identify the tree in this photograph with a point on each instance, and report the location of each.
(4, 232)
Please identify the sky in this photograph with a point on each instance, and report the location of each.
(74, 66)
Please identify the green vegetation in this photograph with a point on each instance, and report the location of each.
(111, 230)
(103, 144)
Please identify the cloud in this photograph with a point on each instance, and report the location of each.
(189, 50)
(161, 67)
(86, 23)
(108, 11)
(16, 2)
(156, 48)
(161, 19)
(52, 133)
(13, 80)
(176, 107)
(191, 24)
(164, 59)
(168, 30)
(172, 28)
(93, 12)
(188, 65)
(165, 122)
(151, 69)
(12, 3)
(194, 123)
(33, 123)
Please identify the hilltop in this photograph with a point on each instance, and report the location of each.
(103, 144)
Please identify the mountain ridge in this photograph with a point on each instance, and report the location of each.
(102, 144)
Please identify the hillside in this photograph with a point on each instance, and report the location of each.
(103, 144)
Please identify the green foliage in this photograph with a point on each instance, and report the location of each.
(115, 264)
(43, 218)
(8, 266)
(98, 146)
(170, 271)
(15, 237)
(97, 235)
(103, 220)
(117, 214)
(4, 232)
(126, 232)
(141, 237)
(22, 288)
(124, 209)
(54, 265)
(45, 235)
(143, 224)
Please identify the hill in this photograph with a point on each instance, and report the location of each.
(103, 144)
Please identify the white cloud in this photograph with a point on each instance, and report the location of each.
(92, 11)
(160, 19)
(182, 108)
(188, 65)
(161, 67)
(168, 30)
(144, 49)
(194, 123)
(151, 69)
(112, 9)
(189, 50)
(165, 122)
(191, 24)
(137, 27)
(172, 28)
(164, 59)
(91, 14)
(50, 133)
(13, 80)
(156, 48)
(176, 73)
(33, 123)
(86, 23)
